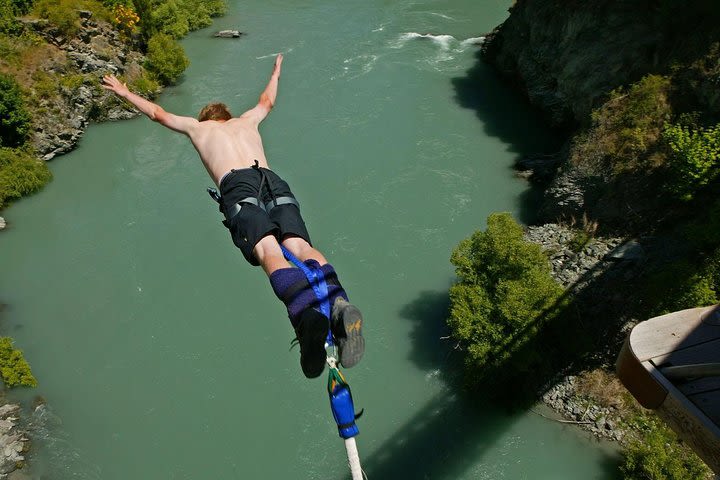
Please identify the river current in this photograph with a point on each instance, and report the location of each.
(162, 355)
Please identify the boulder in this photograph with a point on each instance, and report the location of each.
(228, 34)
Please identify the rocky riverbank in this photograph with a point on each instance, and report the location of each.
(580, 260)
(96, 51)
(66, 93)
(13, 440)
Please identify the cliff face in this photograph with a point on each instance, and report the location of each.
(81, 61)
(571, 59)
(566, 56)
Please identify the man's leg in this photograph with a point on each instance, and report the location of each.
(303, 250)
(311, 327)
(346, 318)
(268, 253)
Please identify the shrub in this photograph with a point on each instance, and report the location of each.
(695, 156)
(126, 19)
(200, 12)
(170, 20)
(61, 13)
(657, 454)
(504, 292)
(144, 85)
(166, 58)
(64, 13)
(175, 17)
(20, 174)
(22, 6)
(626, 129)
(8, 23)
(14, 118)
(684, 284)
(14, 369)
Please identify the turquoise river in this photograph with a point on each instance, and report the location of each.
(162, 355)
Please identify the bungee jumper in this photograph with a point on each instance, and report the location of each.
(264, 220)
(263, 217)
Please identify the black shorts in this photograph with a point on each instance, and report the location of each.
(253, 223)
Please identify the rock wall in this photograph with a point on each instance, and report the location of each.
(13, 443)
(565, 56)
(97, 50)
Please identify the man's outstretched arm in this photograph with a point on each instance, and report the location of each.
(268, 96)
(154, 111)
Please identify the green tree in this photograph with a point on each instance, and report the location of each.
(503, 295)
(658, 455)
(166, 58)
(14, 118)
(200, 12)
(14, 369)
(8, 23)
(695, 156)
(22, 6)
(20, 174)
(170, 20)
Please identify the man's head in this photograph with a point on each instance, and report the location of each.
(214, 111)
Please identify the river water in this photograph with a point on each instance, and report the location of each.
(161, 354)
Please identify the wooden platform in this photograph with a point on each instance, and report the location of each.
(671, 364)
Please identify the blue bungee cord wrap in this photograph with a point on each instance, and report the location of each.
(341, 401)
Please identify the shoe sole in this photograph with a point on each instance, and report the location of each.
(352, 347)
(312, 349)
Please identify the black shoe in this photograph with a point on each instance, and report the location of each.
(347, 330)
(311, 334)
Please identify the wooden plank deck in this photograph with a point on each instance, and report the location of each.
(691, 406)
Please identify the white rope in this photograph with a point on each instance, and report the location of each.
(353, 459)
(350, 445)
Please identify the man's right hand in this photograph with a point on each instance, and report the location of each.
(114, 85)
(278, 63)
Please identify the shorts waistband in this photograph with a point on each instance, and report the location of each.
(226, 175)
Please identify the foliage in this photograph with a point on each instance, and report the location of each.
(626, 129)
(8, 23)
(20, 174)
(45, 85)
(202, 11)
(684, 284)
(14, 118)
(64, 14)
(695, 156)
(166, 58)
(144, 85)
(22, 6)
(170, 20)
(657, 454)
(176, 17)
(14, 369)
(61, 13)
(125, 19)
(504, 292)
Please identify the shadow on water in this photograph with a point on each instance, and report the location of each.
(507, 116)
(452, 431)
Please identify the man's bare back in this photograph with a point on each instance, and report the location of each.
(223, 145)
(227, 145)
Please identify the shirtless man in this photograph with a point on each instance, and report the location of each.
(261, 213)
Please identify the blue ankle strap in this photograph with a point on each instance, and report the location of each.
(316, 279)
